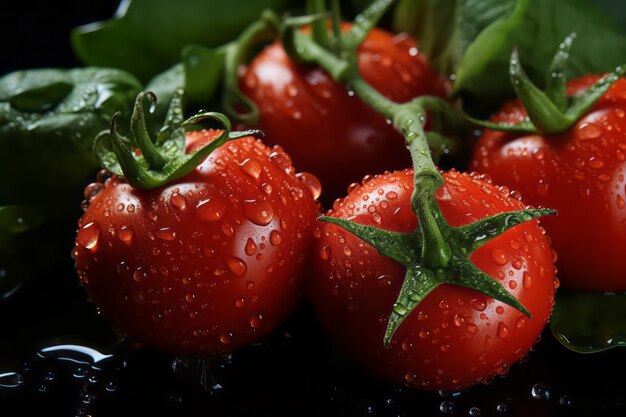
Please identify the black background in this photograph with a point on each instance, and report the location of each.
(292, 373)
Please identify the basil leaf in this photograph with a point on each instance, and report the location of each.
(47, 130)
(588, 322)
(445, 28)
(145, 37)
(473, 40)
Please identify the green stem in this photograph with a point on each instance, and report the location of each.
(409, 119)
(319, 30)
(262, 31)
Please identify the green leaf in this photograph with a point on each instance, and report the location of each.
(145, 37)
(445, 28)
(18, 219)
(473, 39)
(482, 75)
(46, 141)
(589, 322)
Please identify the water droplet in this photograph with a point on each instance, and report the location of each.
(276, 237)
(325, 253)
(589, 131)
(471, 328)
(258, 211)
(474, 412)
(540, 392)
(255, 321)
(228, 230)
(166, 233)
(250, 247)
(88, 236)
(499, 309)
(311, 182)
(252, 167)
(384, 281)
(211, 209)
(139, 275)
(178, 200)
(502, 408)
(619, 201)
(517, 263)
(565, 401)
(125, 234)
(478, 304)
(596, 163)
(446, 407)
(521, 322)
(391, 195)
(499, 256)
(227, 338)
(423, 334)
(527, 280)
(237, 266)
(400, 309)
(503, 330)
(240, 302)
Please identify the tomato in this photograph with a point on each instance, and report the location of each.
(324, 127)
(456, 336)
(207, 263)
(580, 173)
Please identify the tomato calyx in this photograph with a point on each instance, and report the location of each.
(551, 111)
(162, 160)
(422, 275)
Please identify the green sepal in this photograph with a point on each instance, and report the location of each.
(475, 235)
(466, 274)
(401, 247)
(556, 81)
(418, 283)
(550, 112)
(141, 172)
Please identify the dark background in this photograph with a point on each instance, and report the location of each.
(292, 373)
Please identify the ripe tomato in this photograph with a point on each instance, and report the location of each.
(456, 336)
(579, 173)
(325, 128)
(206, 263)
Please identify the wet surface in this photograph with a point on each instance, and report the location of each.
(58, 357)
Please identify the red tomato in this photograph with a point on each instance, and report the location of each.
(579, 173)
(206, 263)
(326, 129)
(456, 337)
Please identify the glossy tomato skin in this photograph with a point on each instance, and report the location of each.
(579, 173)
(207, 263)
(456, 337)
(327, 130)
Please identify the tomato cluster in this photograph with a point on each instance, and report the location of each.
(217, 258)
